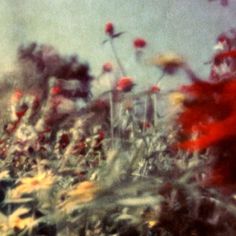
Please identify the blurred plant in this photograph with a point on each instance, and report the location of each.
(110, 31)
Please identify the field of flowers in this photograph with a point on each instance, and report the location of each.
(118, 163)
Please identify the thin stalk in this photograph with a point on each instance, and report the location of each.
(117, 58)
(111, 118)
(145, 112)
(154, 99)
(161, 77)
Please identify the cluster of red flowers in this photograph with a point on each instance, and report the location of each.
(208, 119)
(125, 83)
(209, 113)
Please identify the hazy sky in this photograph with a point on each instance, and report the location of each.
(76, 26)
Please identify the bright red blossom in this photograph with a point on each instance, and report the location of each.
(208, 120)
(125, 84)
(139, 43)
(210, 112)
(109, 28)
(55, 90)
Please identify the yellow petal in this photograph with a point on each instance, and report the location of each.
(165, 59)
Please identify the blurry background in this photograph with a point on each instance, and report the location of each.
(188, 27)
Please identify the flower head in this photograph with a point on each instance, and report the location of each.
(16, 221)
(81, 193)
(107, 67)
(139, 43)
(176, 98)
(154, 89)
(41, 181)
(55, 90)
(223, 41)
(125, 84)
(109, 28)
(169, 62)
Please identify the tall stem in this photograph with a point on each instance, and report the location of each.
(111, 118)
(117, 58)
(161, 77)
(145, 112)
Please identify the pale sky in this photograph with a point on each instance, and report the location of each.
(188, 27)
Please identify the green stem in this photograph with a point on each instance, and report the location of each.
(161, 77)
(111, 118)
(117, 58)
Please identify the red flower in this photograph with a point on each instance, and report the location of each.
(109, 28)
(208, 120)
(124, 84)
(64, 141)
(139, 43)
(210, 113)
(101, 135)
(223, 38)
(107, 67)
(55, 90)
(21, 112)
(154, 89)
(223, 55)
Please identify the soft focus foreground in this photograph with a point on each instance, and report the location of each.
(119, 163)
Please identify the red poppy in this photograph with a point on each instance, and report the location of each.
(107, 67)
(125, 84)
(139, 43)
(109, 28)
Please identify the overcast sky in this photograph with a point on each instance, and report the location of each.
(76, 26)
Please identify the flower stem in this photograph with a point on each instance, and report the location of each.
(117, 58)
(161, 77)
(111, 118)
